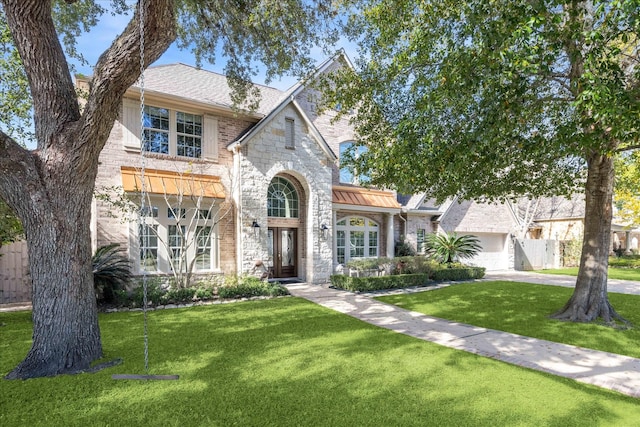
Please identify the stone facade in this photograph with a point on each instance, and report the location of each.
(284, 141)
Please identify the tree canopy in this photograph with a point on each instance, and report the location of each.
(499, 99)
(51, 187)
(492, 99)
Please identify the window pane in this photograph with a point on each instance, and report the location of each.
(356, 222)
(203, 248)
(156, 141)
(174, 213)
(148, 241)
(282, 199)
(156, 118)
(373, 243)
(175, 240)
(356, 240)
(189, 138)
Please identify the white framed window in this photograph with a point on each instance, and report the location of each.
(282, 199)
(356, 237)
(188, 134)
(171, 232)
(172, 132)
(148, 245)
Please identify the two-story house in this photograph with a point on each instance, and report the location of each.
(263, 185)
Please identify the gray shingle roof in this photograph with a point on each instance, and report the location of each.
(203, 86)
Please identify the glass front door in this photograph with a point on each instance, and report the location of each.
(282, 251)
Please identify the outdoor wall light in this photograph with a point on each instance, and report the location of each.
(256, 228)
(324, 230)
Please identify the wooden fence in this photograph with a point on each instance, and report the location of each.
(15, 285)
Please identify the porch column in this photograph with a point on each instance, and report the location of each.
(627, 242)
(390, 236)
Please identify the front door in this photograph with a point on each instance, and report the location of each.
(282, 251)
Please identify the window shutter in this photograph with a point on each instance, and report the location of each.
(210, 138)
(130, 121)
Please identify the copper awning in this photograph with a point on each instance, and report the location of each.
(364, 197)
(167, 182)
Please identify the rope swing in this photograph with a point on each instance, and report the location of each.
(142, 221)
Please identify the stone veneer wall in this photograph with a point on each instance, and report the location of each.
(264, 158)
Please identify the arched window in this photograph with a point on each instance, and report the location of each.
(356, 237)
(282, 199)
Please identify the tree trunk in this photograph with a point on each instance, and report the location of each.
(590, 300)
(66, 335)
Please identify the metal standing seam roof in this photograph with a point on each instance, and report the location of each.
(167, 182)
(364, 197)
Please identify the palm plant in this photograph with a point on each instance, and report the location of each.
(448, 248)
(111, 272)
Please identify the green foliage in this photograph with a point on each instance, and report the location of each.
(288, 362)
(155, 292)
(490, 99)
(365, 284)
(448, 248)
(418, 272)
(10, 226)
(403, 248)
(414, 264)
(361, 264)
(627, 189)
(249, 286)
(111, 272)
(458, 273)
(625, 261)
(570, 251)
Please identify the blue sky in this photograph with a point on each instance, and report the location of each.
(92, 44)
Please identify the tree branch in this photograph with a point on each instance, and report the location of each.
(17, 168)
(119, 67)
(52, 90)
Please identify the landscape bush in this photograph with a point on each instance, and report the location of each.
(160, 292)
(375, 283)
(406, 272)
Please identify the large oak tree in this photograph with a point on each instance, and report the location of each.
(499, 99)
(50, 188)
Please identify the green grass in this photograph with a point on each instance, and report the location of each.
(524, 309)
(288, 362)
(614, 273)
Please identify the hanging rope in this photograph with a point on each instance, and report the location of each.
(142, 218)
(143, 190)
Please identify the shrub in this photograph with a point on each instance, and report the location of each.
(111, 272)
(571, 251)
(448, 248)
(155, 292)
(414, 265)
(363, 284)
(249, 286)
(403, 248)
(458, 273)
(178, 295)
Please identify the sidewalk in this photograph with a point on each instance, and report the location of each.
(612, 371)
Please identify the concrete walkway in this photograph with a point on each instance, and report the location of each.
(612, 371)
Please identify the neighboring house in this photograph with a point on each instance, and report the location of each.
(562, 218)
(492, 223)
(264, 186)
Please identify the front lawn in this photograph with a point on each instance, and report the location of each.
(524, 309)
(287, 362)
(613, 273)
